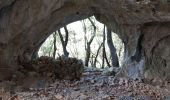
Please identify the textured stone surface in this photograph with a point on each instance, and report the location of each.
(60, 68)
(141, 24)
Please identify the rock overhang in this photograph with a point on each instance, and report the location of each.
(25, 24)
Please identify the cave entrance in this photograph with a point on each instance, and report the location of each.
(86, 39)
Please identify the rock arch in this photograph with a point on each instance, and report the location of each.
(24, 25)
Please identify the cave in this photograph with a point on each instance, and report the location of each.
(142, 25)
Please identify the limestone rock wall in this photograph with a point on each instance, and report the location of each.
(156, 46)
(141, 24)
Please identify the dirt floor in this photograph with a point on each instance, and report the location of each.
(93, 85)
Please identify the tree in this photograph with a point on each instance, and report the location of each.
(54, 44)
(114, 57)
(103, 57)
(74, 44)
(88, 43)
(64, 42)
(104, 50)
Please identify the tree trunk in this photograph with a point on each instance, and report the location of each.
(88, 44)
(64, 42)
(103, 52)
(107, 61)
(66, 53)
(114, 58)
(87, 57)
(54, 44)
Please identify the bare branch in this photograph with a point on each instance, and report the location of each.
(95, 60)
(94, 33)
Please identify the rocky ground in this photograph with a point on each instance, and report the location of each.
(95, 84)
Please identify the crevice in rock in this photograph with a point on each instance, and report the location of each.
(138, 54)
(156, 44)
(156, 47)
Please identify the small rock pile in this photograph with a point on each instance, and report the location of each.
(60, 68)
(43, 71)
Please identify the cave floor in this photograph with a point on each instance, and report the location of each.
(94, 85)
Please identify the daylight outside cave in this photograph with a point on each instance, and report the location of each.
(76, 45)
